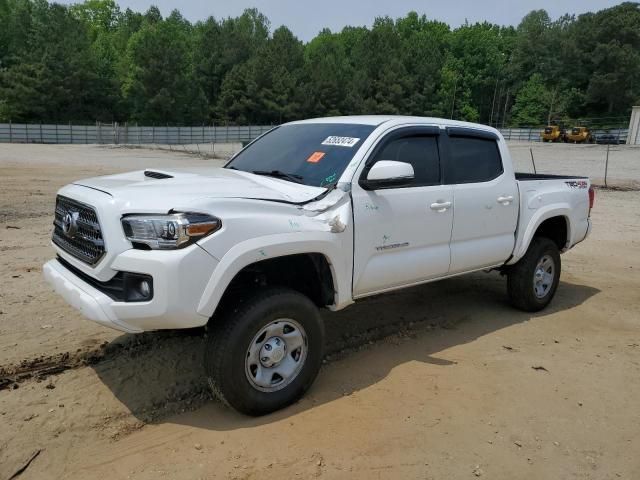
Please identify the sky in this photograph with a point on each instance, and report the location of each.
(306, 18)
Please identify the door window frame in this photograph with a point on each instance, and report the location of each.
(445, 152)
(412, 131)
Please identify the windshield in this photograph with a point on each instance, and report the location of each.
(315, 154)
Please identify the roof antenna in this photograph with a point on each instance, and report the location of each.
(532, 160)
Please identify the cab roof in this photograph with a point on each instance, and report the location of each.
(377, 120)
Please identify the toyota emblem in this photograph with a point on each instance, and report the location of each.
(70, 224)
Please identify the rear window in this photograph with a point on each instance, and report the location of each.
(315, 153)
(575, 131)
(473, 160)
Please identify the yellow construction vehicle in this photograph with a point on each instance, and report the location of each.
(580, 135)
(553, 133)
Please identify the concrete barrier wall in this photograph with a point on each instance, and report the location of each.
(127, 134)
(142, 135)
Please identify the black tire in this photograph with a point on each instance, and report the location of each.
(520, 277)
(231, 336)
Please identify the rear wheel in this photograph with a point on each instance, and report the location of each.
(532, 282)
(264, 355)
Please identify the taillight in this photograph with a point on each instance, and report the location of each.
(592, 198)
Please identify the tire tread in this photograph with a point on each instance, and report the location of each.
(520, 276)
(221, 329)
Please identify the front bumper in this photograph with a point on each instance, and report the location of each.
(179, 280)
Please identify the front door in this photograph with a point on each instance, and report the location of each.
(402, 234)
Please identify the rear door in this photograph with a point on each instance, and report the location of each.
(402, 234)
(485, 200)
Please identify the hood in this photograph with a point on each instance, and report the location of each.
(165, 189)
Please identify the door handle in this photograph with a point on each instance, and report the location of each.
(505, 200)
(440, 207)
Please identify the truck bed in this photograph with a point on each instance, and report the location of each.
(566, 195)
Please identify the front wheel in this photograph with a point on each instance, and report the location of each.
(264, 355)
(532, 282)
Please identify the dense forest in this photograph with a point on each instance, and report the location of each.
(94, 62)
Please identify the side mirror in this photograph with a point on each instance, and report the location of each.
(387, 174)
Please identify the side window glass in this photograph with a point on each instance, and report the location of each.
(473, 160)
(421, 152)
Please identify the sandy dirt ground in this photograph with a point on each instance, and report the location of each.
(441, 381)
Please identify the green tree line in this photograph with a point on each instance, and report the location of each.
(93, 61)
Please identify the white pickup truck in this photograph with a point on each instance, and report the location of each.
(313, 214)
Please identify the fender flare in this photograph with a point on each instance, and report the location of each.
(545, 213)
(273, 246)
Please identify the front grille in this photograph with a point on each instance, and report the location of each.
(84, 239)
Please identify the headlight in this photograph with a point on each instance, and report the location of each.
(166, 232)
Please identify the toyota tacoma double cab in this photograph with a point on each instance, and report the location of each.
(313, 214)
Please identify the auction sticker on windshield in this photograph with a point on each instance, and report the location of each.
(340, 141)
(315, 157)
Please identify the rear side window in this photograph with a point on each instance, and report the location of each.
(473, 160)
(421, 152)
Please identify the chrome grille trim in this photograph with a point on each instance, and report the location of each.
(86, 244)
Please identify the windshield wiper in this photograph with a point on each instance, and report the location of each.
(292, 177)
